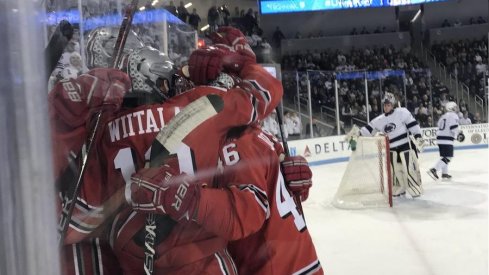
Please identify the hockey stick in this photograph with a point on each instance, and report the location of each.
(118, 49)
(282, 131)
(166, 143)
(56, 45)
(287, 154)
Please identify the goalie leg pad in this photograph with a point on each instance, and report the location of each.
(398, 185)
(410, 165)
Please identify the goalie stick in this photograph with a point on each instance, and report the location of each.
(56, 45)
(69, 206)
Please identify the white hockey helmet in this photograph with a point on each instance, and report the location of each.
(100, 46)
(389, 98)
(451, 106)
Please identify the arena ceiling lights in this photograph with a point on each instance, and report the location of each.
(286, 6)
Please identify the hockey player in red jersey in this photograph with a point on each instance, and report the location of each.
(124, 142)
(69, 111)
(282, 245)
(69, 116)
(249, 204)
(183, 244)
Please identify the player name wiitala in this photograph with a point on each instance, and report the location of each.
(144, 121)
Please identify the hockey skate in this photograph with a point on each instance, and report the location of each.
(446, 177)
(432, 173)
(402, 194)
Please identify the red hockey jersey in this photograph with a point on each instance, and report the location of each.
(259, 208)
(124, 147)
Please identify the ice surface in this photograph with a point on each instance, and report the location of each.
(444, 232)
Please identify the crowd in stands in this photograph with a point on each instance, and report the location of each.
(424, 98)
(423, 95)
(292, 125)
(354, 31)
(467, 59)
(364, 30)
(457, 22)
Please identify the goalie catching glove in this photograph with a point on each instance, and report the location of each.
(162, 190)
(297, 176)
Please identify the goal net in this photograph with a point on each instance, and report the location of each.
(367, 181)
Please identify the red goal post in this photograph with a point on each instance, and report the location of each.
(367, 180)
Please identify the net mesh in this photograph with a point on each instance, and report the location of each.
(366, 181)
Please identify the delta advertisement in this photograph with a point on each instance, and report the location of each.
(334, 149)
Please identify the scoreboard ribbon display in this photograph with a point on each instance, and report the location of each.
(285, 6)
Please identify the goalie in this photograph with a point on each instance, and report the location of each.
(398, 124)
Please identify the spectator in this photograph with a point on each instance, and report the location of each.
(256, 14)
(315, 129)
(225, 15)
(236, 12)
(477, 118)
(297, 124)
(194, 19)
(346, 113)
(255, 38)
(445, 24)
(464, 120)
(266, 50)
(437, 111)
(354, 31)
(171, 8)
(249, 22)
(277, 37)
(457, 23)
(270, 125)
(182, 12)
(213, 18)
(421, 114)
(334, 132)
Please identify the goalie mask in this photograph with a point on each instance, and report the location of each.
(389, 98)
(451, 106)
(100, 46)
(152, 72)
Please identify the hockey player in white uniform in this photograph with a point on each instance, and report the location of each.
(398, 123)
(448, 130)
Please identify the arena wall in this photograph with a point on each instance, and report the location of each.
(326, 150)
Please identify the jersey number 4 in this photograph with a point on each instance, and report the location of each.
(285, 203)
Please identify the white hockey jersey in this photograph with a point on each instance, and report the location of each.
(447, 128)
(395, 125)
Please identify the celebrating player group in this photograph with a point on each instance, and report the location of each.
(180, 178)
